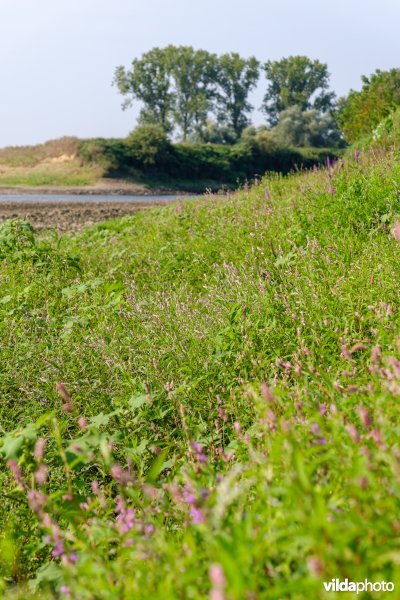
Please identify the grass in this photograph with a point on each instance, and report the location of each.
(46, 178)
(217, 387)
(53, 163)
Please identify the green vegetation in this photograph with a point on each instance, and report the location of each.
(361, 112)
(147, 152)
(180, 87)
(189, 91)
(227, 421)
(296, 81)
(53, 163)
(46, 178)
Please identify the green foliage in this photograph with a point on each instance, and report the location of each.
(146, 150)
(230, 399)
(180, 86)
(236, 77)
(148, 81)
(296, 81)
(306, 128)
(148, 145)
(194, 73)
(214, 133)
(361, 112)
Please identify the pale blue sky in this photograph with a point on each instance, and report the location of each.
(58, 56)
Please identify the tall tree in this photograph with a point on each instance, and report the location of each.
(193, 73)
(149, 81)
(236, 77)
(296, 81)
(362, 111)
(298, 127)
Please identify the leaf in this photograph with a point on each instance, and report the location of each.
(11, 446)
(48, 573)
(100, 420)
(137, 401)
(158, 466)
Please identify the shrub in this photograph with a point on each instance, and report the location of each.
(148, 145)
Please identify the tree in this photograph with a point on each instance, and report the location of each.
(193, 73)
(149, 81)
(214, 133)
(296, 81)
(362, 111)
(306, 128)
(235, 79)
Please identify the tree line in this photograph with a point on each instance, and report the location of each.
(202, 97)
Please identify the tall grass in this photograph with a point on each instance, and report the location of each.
(202, 400)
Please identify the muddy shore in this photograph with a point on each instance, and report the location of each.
(66, 215)
(103, 187)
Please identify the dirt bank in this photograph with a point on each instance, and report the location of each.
(67, 215)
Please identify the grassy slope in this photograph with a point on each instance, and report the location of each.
(56, 165)
(199, 304)
(53, 163)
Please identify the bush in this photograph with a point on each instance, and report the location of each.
(149, 152)
(148, 145)
(110, 154)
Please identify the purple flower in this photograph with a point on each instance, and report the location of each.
(126, 520)
(197, 515)
(200, 456)
(331, 189)
(315, 429)
(73, 558)
(59, 549)
(266, 194)
(188, 496)
(64, 589)
(121, 476)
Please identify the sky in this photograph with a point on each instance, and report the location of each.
(58, 56)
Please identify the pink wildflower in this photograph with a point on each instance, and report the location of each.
(83, 424)
(218, 582)
(16, 472)
(121, 476)
(197, 515)
(396, 231)
(41, 474)
(39, 449)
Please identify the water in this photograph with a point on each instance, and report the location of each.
(88, 198)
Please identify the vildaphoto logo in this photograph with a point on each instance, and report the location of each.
(358, 586)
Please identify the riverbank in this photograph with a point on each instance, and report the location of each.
(67, 215)
(105, 187)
